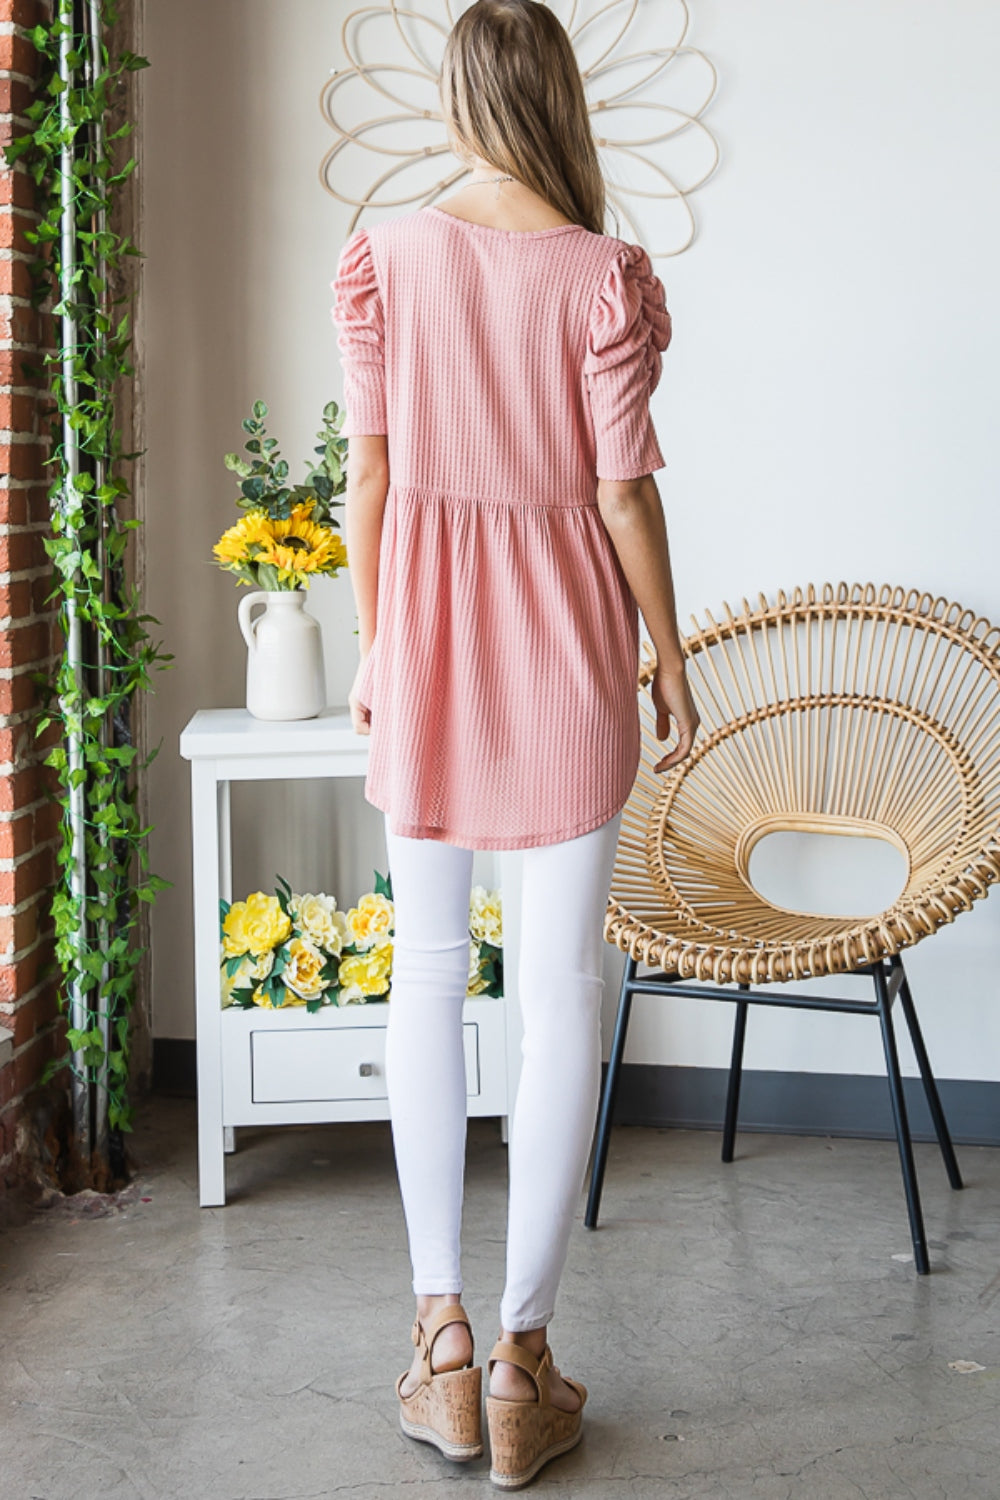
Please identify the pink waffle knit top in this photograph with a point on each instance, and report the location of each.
(509, 371)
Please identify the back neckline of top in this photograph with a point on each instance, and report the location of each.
(495, 228)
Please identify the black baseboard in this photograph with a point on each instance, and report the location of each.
(841, 1104)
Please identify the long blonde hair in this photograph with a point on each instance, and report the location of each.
(512, 94)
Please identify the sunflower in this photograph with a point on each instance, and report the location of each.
(235, 547)
(294, 548)
(300, 546)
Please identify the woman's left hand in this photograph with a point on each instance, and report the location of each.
(360, 716)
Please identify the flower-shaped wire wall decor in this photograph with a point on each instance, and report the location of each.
(666, 145)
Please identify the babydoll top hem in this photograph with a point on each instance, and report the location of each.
(489, 841)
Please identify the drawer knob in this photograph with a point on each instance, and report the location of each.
(366, 1069)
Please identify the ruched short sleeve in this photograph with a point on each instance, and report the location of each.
(628, 331)
(358, 316)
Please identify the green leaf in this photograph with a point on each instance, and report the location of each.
(119, 1115)
(52, 1067)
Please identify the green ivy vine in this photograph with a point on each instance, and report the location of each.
(95, 760)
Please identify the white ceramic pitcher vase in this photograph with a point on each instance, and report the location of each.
(285, 675)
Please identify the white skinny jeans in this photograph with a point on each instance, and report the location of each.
(564, 896)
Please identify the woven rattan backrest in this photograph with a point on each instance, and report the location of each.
(847, 708)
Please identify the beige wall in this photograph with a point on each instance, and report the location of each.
(242, 244)
(827, 409)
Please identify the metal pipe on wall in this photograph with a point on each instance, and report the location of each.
(68, 504)
(93, 24)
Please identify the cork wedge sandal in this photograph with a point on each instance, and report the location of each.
(524, 1435)
(446, 1407)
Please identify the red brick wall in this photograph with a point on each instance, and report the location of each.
(29, 633)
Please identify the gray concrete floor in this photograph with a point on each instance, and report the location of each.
(747, 1332)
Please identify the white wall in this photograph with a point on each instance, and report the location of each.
(825, 409)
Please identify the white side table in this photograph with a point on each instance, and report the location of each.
(287, 1067)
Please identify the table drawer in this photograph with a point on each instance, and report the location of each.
(313, 1063)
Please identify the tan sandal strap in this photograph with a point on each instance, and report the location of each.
(452, 1312)
(536, 1367)
(424, 1334)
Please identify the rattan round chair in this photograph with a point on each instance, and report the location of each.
(845, 709)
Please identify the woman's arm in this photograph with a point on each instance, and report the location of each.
(633, 515)
(367, 487)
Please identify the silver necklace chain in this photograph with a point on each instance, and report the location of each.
(504, 177)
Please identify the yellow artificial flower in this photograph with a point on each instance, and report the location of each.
(365, 974)
(318, 919)
(371, 920)
(253, 530)
(302, 513)
(250, 970)
(263, 999)
(476, 983)
(302, 970)
(299, 546)
(485, 916)
(254, 926)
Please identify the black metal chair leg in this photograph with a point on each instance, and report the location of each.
(735, 1078)
(902, 1124)
(927, 1076)
(608, 1096)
